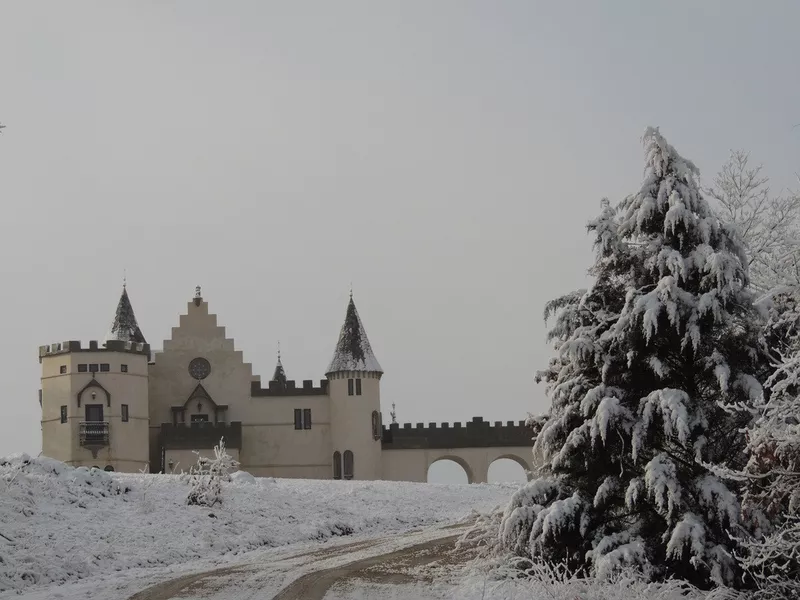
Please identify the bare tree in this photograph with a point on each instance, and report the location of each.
(770, 228)
(769, 225)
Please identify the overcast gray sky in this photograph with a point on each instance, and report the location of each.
(443, 156)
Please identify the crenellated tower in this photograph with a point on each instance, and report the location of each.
(354, 376)
(94, 399)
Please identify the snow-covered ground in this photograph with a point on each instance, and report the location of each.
(60, 525)
(74, 533)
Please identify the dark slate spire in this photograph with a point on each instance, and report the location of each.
(279, 375)
(353, 352)
(125, 327)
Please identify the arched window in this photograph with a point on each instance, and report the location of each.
(108, 468)
(376, 425)
(337, 465)
(348, 464)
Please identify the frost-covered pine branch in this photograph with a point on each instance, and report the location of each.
(646, 361)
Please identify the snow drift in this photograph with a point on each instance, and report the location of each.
(60, 524)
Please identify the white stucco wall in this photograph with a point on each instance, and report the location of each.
(272, 447)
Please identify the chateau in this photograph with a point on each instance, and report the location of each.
(115, 406)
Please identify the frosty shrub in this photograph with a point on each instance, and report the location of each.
(207, 476)
(772, 474)
(648, 362)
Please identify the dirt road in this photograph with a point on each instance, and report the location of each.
(382, 560)
(315, 585)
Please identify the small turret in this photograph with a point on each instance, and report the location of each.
(279, 375)
(125, 328)
(354, 376)
(353, 351)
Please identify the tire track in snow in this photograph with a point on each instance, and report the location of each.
(320, 579)
(314, 585)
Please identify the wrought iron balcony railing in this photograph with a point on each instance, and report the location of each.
(94, 433)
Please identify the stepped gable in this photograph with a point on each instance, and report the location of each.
(125, 328)
(353, 351)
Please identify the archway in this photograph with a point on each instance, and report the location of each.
(449, 469)
(508, 469)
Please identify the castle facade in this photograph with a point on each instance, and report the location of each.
(116, 406)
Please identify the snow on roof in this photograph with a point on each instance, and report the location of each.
(353, 352)
(125, 327)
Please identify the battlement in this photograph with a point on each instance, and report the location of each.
(94, 346)
(276, 388)
(476, 434)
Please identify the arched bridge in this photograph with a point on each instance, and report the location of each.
(409, 451)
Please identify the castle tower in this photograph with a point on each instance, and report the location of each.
(94, 399)
(354, 376)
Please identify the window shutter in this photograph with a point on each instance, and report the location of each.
(298, 418)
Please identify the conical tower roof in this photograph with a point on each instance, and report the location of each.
(125, 327)
(279, 375)
(353, 352)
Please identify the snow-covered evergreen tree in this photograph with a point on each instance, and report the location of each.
(648, 359)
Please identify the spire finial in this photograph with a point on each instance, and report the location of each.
(351, 290)
(124, 279)
(279, 351)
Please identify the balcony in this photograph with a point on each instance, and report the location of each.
(93, 433)
(200, 436)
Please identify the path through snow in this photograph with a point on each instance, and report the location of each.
(309, 575)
